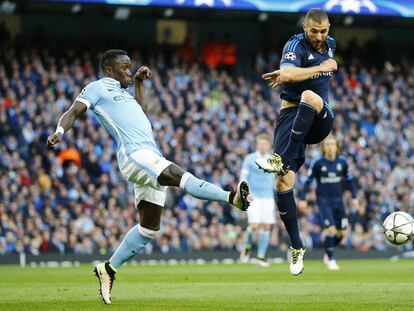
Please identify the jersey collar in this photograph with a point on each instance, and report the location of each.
(112, 81)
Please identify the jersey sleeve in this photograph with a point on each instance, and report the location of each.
(308, 182)
(292, 53)
(90, 95)
(331, 44)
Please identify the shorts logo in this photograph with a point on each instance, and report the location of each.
(118, 98)
(282, 213)
(324, 116)
(327, 222)
(290, 56)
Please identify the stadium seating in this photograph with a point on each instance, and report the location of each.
(74, 200)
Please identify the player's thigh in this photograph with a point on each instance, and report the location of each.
(266, 210)
(326, 213)
(321, 127)
(282, 134)
(253, 214)
(152, 195)
(143, 168)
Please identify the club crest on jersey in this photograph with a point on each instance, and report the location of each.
(323, 169)
(290, 56)
(330, 53)
(339, 167)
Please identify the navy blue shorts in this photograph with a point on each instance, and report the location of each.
(332, 213)
(320, 129)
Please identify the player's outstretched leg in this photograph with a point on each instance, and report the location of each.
(134, 241)
(173, 175)
(245, 253)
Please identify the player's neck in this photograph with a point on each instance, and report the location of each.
(330, 158)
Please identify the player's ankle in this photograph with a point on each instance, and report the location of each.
(109, 268)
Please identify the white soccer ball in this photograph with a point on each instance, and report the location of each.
(398, 228)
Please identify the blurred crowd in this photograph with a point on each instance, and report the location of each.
(73, 200)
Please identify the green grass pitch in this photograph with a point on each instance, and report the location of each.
(360, 285)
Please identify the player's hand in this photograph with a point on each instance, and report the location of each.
(302, 205)
(53, 140)
(274, 78)
(143, 73)
(354, 203)
(329, 65)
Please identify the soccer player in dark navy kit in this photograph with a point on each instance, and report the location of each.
(331, 172)
(305, 116)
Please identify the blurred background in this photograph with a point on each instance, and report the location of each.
(207, 103)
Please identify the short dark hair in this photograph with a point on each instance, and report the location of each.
(109, 56)
(317, 15)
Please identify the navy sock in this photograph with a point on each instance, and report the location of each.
(301, 125)
(287, 210)
(329, 246)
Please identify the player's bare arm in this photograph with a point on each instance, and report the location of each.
(292, 74)
(142, 74)
(65, 123)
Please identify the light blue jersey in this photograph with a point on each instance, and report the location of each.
(121, 116)
(262, 185)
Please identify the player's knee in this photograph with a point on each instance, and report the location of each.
(282, 187)
(340, 234)
(253, 227)
(285, 183)
(311, 98)
(171, 176)
(331, 230)
(265, 227)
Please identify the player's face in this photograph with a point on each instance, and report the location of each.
(330, 148)
(121, 70)
(316, 33)
(263, 146)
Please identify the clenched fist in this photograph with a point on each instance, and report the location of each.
(143, 73)
(53, 140)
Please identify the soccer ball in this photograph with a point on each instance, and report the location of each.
(398, 228)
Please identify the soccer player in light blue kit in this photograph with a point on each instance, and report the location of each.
(261, 213)
(139, 159)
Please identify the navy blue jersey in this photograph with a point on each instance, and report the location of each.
(331, 176)
(299, 52)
